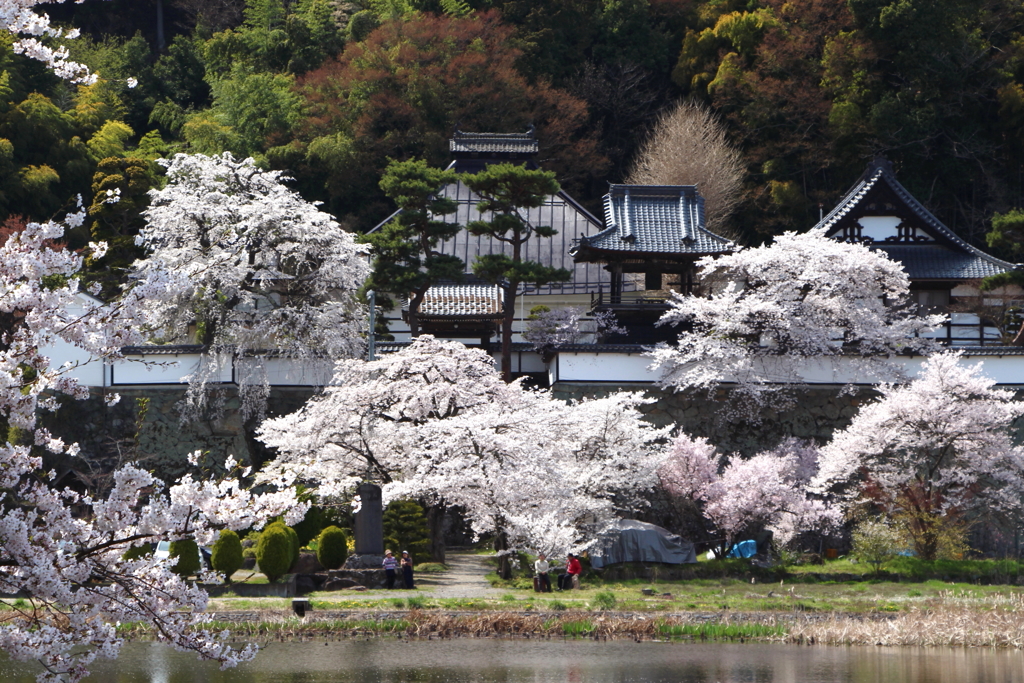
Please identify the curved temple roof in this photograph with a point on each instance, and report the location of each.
(653, 219)
(948, 257)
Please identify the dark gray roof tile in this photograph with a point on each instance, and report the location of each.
(666, 219)
(950, 257)
(493, 143)
(939, 262)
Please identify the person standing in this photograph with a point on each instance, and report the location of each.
(540, 570)
(390, 564)
(573, 569)
(407, 569)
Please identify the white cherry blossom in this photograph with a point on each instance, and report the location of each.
(772, 311)
(65, 549)
(265, 271)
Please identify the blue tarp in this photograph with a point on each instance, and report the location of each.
(744, 549)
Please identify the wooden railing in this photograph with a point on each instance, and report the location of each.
(633, 300)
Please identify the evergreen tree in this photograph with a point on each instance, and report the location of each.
(505, 191)
(405, 528)
(406, 260)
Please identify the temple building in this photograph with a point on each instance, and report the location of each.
(449, 306)
(944, 270)
(652, 238)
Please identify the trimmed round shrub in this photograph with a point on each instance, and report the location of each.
(274, 552)
(294, 538)
(185, 554)
(138, 552)
(405, 528)
(332, 548)
(227, 554)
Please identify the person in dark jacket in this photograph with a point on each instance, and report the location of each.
(407, 569)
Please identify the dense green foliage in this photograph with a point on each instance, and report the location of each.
(138, 552)
(226, 557)
(310, 526)
(405, 528)
(332, 548)
(333, 92)
(405, 255)
(185, 555)
(274, 551)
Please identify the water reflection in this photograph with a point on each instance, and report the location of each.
(503, 661)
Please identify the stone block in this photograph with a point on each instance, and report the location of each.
(308, 564)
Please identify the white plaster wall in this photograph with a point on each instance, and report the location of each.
(634, 368)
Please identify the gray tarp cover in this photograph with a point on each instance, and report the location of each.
(631, 541)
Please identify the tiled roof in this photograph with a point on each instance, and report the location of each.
(667, 219)
(952, 258)
(939, 262)
(494, 143)
(161, 349)
(462, 301)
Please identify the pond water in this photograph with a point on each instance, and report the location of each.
(528, 661)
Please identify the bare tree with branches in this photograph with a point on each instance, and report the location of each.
(688, 145)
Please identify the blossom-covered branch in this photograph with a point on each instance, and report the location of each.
(266, 270)
(67, 550)
(19, 18)
(936, 450)
(780, 311)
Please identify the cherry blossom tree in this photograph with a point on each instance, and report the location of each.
(537, 472)
(67, 550)
(19, 18)
(806, 302)
(266, 271)
(434, 421)
(934, 451)
(738, 496)
(548, 328)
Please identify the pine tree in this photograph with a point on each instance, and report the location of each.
(506, 190)
(406, 260)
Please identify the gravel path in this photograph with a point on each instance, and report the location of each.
(464, 578)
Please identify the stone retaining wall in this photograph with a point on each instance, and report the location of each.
(106, 434)
(813, 413)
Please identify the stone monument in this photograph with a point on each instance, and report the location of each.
(369, 530)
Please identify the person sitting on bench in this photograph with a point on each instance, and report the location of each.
(540, 570)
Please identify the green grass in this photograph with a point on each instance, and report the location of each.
(417, 602)
(431, 568)
(604, 600)
(720, 631)
(577, 628)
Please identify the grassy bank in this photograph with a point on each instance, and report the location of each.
(999, 623)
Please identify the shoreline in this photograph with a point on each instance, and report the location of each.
(947, 627)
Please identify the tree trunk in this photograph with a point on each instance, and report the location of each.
(435, 522)
(414, 313)
(160, 38)
(504, 566)
(506, 331)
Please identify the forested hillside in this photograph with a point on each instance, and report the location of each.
(809, 91)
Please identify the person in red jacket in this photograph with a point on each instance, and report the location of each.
(573, 569)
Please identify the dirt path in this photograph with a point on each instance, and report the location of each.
(464, 578)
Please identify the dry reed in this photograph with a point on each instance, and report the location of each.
(960, 620)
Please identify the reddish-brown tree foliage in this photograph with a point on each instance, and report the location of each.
(402, 91)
